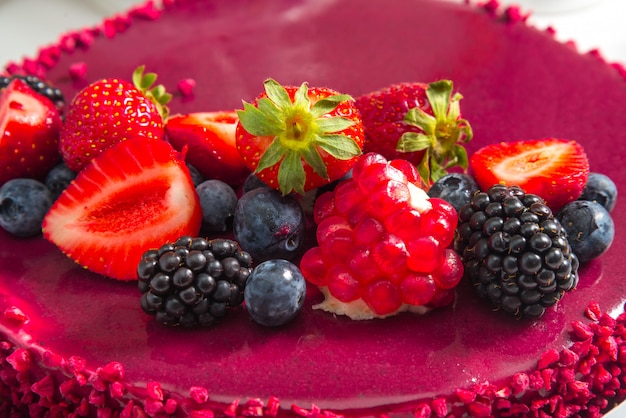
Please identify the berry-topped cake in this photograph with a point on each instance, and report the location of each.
(312, 208)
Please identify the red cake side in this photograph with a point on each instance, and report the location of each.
(77, 343)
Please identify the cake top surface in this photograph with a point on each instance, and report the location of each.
(517, 83)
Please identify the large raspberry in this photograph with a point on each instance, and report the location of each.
(383, 243)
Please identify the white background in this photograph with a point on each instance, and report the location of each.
(591, 24)
(28, 24)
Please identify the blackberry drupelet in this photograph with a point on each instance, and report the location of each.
(194, 281)
(515, 251)
(40, 86)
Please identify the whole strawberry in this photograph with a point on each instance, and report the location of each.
(29, 132)
(383, 244)
(109, 111)
(299, 138)
(418, 122)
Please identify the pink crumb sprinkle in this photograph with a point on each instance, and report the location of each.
(112, 372)
(199, 394)
(15, 314)
(78, 71)
(20, 360)
(154, 390)
(170, 406)
(186, 86)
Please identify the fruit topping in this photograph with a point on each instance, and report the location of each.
(109, 111)
(455, 188)
(210, 139)
(58, 178)
(269, 225)
(218, 201)
(299, 138)
(600, 189)
(23, 205)
(29, 132)
(555, 169)
(252, 182)
(55, 95)
(589, 226)
(193, 281)
(135, 196)
(418, 122)
(275, 292)
(515, 251)
(382, 244)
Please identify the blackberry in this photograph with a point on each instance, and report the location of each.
(193, 281)
(40, 86)
(515, 252)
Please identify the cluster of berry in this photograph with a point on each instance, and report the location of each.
(386, 210)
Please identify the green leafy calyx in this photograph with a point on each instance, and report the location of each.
(157, 94)
(300, 127)
(442, 134)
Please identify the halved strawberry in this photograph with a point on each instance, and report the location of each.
(136, 195)
(554, 169)
(29, 132)
(211, 144)
(299, 138)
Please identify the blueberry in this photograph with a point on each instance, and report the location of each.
(218, 201)
(455, 188)
(196, 177)
(269, 225)
(58, 179)
(23, 205)
(253, 182)
(274, 293)
(589, 226)
(600, 189)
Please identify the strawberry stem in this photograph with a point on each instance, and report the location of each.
(443, 133)
(300, 127)
(159, 96)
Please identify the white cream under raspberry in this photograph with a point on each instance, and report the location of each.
(358, 310)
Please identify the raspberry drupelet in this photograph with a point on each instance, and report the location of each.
(383, 244)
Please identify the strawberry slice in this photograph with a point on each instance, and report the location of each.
(211, 143)
(554, 169)
(136, 195)
(29, 132)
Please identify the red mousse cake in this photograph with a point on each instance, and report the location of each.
(74, 343)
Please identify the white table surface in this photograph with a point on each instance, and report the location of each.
(26, 25)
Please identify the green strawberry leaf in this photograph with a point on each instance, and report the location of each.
(300, 130)
(328, 104)
(442, 133)
(291, 176)
(339, 146)
(413, 141)
(417, 117)
(272, 155)
(158, 94)
(313, 158)
(460, 154)
(257, 121)
(333, 124)
(278, 95)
